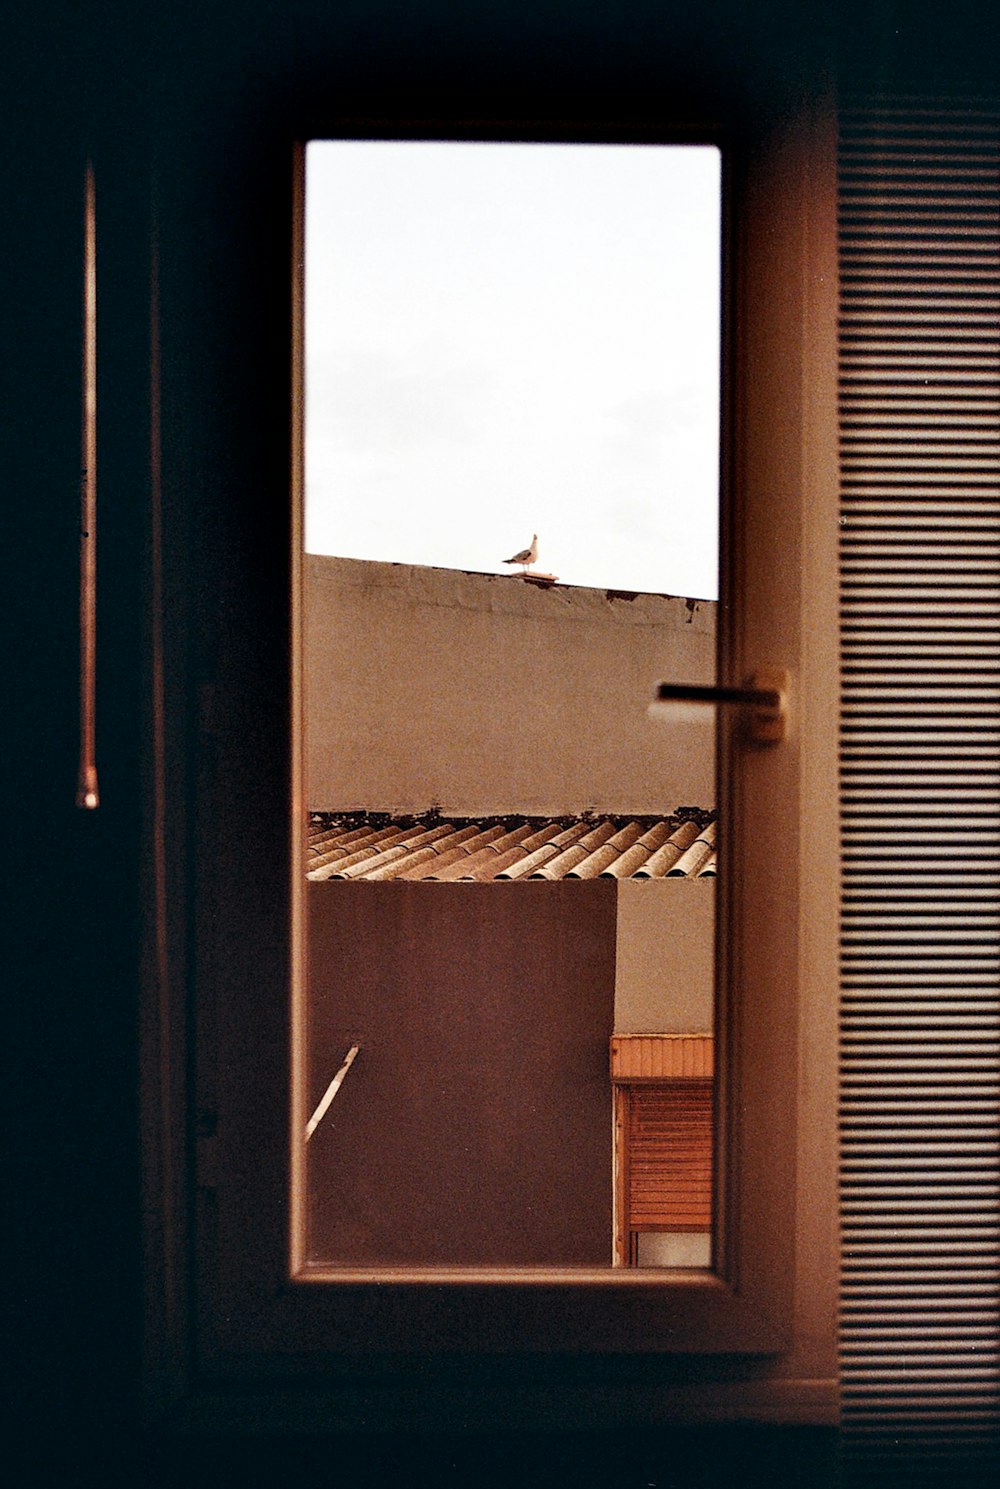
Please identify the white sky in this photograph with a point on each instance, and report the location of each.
(508, 339)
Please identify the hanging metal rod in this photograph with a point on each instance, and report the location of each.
(87, 795)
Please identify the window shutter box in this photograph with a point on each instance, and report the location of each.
(643, 1057)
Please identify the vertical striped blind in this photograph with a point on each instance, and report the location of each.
(919, 216)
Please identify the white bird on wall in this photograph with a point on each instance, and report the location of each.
(527, 556)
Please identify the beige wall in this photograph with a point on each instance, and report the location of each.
(665, 962)
(480, 693)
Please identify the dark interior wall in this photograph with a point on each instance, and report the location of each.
(475, 1124)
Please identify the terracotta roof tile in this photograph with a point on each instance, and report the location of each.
(557, 838)
(356, 850)
(358, 845)
(660, 863)
(644, 846)
(487, 871)
(608, 853)
(576, 854)
(692, 863)
(409, 843)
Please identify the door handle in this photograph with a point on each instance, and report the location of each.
(766, 697)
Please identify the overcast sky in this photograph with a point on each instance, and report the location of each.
(508, 339)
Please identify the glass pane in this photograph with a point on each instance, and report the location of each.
(512, 450)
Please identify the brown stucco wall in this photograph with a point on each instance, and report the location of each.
(479, 693)
(475, 1124)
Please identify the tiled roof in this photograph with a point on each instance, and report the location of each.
(360, 845)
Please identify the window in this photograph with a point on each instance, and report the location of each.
(772, 1288)
(501, 336)
(663, 1149)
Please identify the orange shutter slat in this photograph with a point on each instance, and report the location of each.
(670, 1156)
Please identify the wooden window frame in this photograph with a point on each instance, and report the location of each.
(238, 1330)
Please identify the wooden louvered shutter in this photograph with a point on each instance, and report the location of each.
(670, 1156)
(663, 1128)
(920, 746)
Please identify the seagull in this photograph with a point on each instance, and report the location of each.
(526, 556)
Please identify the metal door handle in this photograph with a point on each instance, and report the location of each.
(766, 696)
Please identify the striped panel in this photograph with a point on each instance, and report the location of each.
(670, 1156)
(920, 797)
(636, 1057)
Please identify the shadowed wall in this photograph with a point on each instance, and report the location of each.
(475, 1124)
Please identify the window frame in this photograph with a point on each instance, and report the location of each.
(229, 1309)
